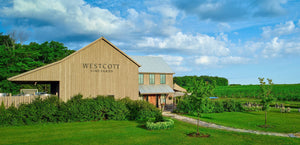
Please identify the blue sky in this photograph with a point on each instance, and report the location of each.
(238, 40)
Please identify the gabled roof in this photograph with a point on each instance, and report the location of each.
(57, 62)
(152, 64)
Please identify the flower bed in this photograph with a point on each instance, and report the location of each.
(166, 124)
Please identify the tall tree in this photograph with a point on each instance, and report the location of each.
(201, 90)
(19, 58)
(6, 40)
(266, 95)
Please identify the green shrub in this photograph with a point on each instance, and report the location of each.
(39, 110)
(11, 116)
(141, 110)
(165, 124)
(53, 110)
(99, 108)
(209, 106)
(184, 106)
(232, 106)
(113, 110)
(219, 108)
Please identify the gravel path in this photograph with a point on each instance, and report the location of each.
(212, 125)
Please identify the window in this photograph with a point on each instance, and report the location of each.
(151, 79)
(141, 78)
(163, 79)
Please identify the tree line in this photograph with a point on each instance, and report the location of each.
(17, 58)
(187, 81)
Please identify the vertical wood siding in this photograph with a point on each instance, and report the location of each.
(74, 79)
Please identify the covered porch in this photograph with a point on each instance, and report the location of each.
(158, 95)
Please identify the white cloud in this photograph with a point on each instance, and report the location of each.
(166, 18)
(74, 16)
(167, 11)
(273, 48)
(207, 60)
(223, 26)
(172, 60)
(276, 47)
(187, 43)
(77, 17)
(234, 60)
(279, 47)
(292, 47)
(281, 29)
(175, 62)
(220, 61)
(179, 69)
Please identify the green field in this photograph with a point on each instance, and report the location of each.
(127, 132)
(280, 122)
(285, 92)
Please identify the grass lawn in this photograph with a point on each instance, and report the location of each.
(127, 132)
(280, 122)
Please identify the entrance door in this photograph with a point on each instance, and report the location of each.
(154, 99)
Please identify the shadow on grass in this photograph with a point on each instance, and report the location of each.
(195, 134)
(252, 113)
(206, 117)
(141, 124)
(266, 126)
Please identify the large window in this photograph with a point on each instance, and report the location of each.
(163, 79)
(151, 79)
(141, 78)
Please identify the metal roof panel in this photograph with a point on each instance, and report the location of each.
(155, 89)
(152, 64)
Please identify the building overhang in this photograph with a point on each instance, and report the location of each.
(155, 89)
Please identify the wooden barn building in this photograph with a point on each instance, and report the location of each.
(101, 68)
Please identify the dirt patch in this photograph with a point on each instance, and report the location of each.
(297, 134)
(266, 126)
(195, 134)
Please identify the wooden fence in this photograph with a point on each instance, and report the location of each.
(18, 100)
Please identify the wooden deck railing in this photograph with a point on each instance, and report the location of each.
(17, 100)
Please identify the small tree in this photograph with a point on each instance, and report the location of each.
(266, 95)
(200, 91)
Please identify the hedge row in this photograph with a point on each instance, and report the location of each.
(186, 106)
(77, 109)
(164, 124)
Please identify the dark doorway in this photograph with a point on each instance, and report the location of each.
(54, 88)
